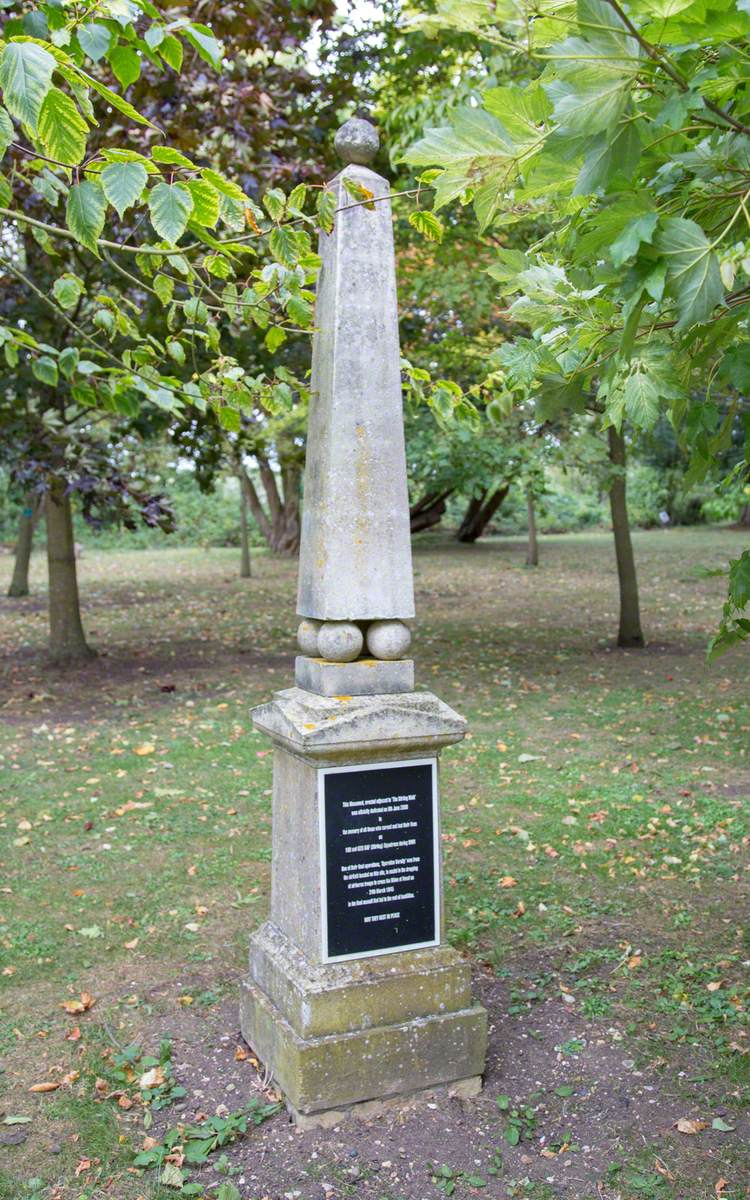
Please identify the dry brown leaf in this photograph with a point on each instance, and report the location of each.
(720, 1187)
(520, 910)
(131, 945)
(145, 748)
(71, 1077)
(84, 1165)
(47, 1086)
(124, 1101)
(73, 1035)
(508, 881)
(101, 1087)
(151, 1079)
(690, 1125)
(663, 1169)
(713, 986)
(149, 1143)
(73, 1007)
(634, 962)
(241, 1054)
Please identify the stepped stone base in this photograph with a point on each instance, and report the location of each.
(337, 1036)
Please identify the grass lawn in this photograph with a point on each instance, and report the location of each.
(597, 872)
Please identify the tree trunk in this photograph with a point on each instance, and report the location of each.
(429, 510)
(66, 638)
(27, 522)
(744, 517)
(280, 530)
(532, 547)
(480, 511)
(245, 571)
(630, 633)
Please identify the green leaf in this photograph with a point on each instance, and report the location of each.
(171, 51)
(693, 276)
(67, 290)
(209, 48)
(297, 197)
(7, 132)
(206, 204)
(641, 396)
(229, 418)
(170, 206)
(45, 370)
(299, 311)
(359, 193)
(6, 195)
(512, 1135)
(123, 183)
(274, 338)
(85, 212)
(166, 154)
(326, 208)
(223, 185)
(427, 224)
(637, 231)
(164, 288)
(722, 1126)
(122, 106)
(68, 361)
(25, 77)
(176, 351)
(94, 40)
(607, 155)
(739, 580)
(274, 202)
(126, 64)
(283, 245)
(564, 1090)
(62, 130)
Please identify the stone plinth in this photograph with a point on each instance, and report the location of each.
(363, 677)
(338, 1034)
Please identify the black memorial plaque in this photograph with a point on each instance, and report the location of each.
(379, 858)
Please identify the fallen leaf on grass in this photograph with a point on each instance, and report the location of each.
(73, 1007)
(74, 1034)
(722, 1126)
(16, 1120)
(145, 748)
(508, 881)
(690, 1125)
(241, 1054)
(71, 1077)
(663, 1170)
(151, 1079)
(521, 909)
(124, 1102)
(130, 805)
(131, 945)
(47, 1086)
(713, 986)
(171, 1176)
(720, 1187)
(84, 1165)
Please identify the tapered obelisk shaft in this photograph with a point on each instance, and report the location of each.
(355, 559)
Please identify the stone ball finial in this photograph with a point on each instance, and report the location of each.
(357, 141)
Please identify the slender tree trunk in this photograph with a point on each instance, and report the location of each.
(245, 571)
(280, 531)
(480, 511)
(27, 522)
(429, 510)
(66, 638)
(744, 517)
(532, 547)
(630, 633)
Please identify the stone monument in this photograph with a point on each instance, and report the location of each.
(352, 996)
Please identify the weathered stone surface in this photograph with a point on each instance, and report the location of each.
(327, 729)
(355, 557)
(339, 1070)
(370, 1110)
(318, 999)
(365, 677)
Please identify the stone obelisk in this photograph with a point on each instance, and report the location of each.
(353, 997)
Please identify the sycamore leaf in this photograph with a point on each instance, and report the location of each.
(426, 223)
(606, 156)
(85, 212)
(25, 77)
(170, 206)
(639, 230)
(62, 129)
(693, 276)
(206, 205)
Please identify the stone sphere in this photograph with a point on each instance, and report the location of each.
(388, 639)
(339, 641)
(307, 636)
(357, 141)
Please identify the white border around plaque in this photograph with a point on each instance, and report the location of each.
(323, 773)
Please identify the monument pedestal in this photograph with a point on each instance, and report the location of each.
(352, 996)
